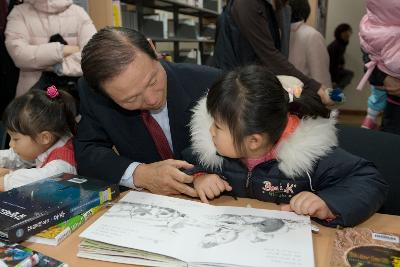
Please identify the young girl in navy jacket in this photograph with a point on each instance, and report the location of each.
(261, 137)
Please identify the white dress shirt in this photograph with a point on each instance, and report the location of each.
(161, 116)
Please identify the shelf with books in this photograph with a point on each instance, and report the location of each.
(168, 22)
(170, 5)
(182, 40)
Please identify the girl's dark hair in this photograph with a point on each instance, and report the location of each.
(300, 10)
(252, 100)
(109, 52)
(35, 112)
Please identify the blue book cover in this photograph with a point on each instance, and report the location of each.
(29, 209)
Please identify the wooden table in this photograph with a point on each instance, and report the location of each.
(322, 241)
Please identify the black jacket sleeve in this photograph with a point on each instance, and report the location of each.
(93, 148)
(252, 22)
(191, 157)
(351, 187)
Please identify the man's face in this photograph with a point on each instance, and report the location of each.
(142, 85)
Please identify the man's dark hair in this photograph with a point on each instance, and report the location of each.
(344, 27)
(110, 51)
(300, 10)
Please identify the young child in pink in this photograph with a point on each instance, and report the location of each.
(380, 41)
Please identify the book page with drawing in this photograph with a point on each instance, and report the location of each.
(197, 233)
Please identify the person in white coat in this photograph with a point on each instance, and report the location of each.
(29, 28)
(307, 48)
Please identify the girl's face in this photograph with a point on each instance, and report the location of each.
(223, 140)
(26, 148)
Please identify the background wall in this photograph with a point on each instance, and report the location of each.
(351, 12)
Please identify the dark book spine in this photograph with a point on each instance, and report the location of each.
(25, 229)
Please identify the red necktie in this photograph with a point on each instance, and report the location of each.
(157, 134)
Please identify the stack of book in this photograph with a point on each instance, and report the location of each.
(57, 233)
(65, 201)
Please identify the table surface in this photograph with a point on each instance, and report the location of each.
(322, 241)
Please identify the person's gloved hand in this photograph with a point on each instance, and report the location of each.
(57, 38)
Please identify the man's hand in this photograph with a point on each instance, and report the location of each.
(307, 203)
(165, 178)
(70, 49)
(392, 85)
(326, 100)
(210, 186)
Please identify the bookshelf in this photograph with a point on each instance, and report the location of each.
(182, 40)
(174, 39)
(171, 5)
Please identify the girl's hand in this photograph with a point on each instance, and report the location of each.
(307, 203)
(209, 186)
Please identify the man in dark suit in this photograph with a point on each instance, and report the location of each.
(122, 80)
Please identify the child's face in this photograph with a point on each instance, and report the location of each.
(223, 140)
(25, 146)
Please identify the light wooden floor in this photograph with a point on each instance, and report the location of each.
(350, 118)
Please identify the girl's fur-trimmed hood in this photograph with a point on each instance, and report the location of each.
(296, 155)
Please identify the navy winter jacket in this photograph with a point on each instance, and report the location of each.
(308, 160)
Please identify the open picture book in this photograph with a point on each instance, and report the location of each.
(153, 230)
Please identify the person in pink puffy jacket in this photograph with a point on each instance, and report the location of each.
(29, 28)
(380, 41)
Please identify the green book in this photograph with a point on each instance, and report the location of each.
(57, 233)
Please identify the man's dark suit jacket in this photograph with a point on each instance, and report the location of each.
(104, 124)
